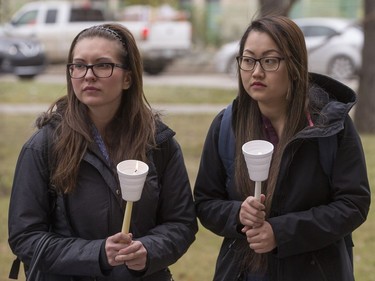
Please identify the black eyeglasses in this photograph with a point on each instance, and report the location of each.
(100, 70)
(267, 63)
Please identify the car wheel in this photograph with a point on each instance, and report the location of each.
(232, 67)
(341, 67)
(26, 77)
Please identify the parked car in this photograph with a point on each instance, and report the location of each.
(22, 57)
(334, 45)
(334, 48)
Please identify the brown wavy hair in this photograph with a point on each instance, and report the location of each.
(248, 119)
(129, 135)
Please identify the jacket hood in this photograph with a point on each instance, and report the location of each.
(330, 103)
(335, 89)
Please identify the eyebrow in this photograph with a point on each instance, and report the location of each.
(264, 53)
(97, 60)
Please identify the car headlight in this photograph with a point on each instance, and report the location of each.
(12, 50)
(29, 49)
(9, 49)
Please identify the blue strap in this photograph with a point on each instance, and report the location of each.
(227, 144)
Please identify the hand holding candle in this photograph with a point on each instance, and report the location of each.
(258, 155)
(132, 175)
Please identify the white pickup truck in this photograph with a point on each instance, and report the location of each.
(56, 23)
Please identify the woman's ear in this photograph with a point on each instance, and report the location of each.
(127, 82)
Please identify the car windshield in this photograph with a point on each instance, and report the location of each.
(82, 14)
(27, 18)
(315, 30)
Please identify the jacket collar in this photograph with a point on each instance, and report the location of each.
(163, 133)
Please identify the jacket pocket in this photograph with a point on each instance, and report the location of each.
(331, 263)
(334, 262)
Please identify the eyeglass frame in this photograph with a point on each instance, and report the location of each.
(279, 59)
(91, 66)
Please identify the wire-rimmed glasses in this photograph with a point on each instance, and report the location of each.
(266, 63)
(100, 70)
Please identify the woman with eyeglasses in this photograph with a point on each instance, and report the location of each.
(66, 181)
(317, 191)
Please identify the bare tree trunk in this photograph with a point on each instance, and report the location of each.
(364, 116)
(278, 7)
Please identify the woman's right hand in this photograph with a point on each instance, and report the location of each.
(114, 244)
(252, 212)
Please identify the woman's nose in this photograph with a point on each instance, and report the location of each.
(258, 69)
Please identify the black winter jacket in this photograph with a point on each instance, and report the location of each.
(163, 219)
(309, 217)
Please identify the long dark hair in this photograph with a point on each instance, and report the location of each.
(129, 134)
(248, 119)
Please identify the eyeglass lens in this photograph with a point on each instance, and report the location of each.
(100, 70)
(267, 63)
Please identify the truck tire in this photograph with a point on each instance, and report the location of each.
(154, 67)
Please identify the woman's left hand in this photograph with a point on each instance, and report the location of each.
(134, 256)
(261, 239)
(252, 212)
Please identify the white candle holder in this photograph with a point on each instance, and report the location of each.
(258, 156)
(132, 175)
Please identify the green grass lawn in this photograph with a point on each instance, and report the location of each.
(31, 92)
(198, 263)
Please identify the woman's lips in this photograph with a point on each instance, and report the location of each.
(90, 89)
(258, 84)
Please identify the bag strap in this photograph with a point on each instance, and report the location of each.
(226, 143)
(15, 269)
(39, 251)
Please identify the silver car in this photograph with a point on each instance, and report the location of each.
(22, 57)
(334, 48)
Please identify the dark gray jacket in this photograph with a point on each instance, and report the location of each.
(309, 216)
(163, 219)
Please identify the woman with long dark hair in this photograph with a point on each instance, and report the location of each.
(300, 228)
